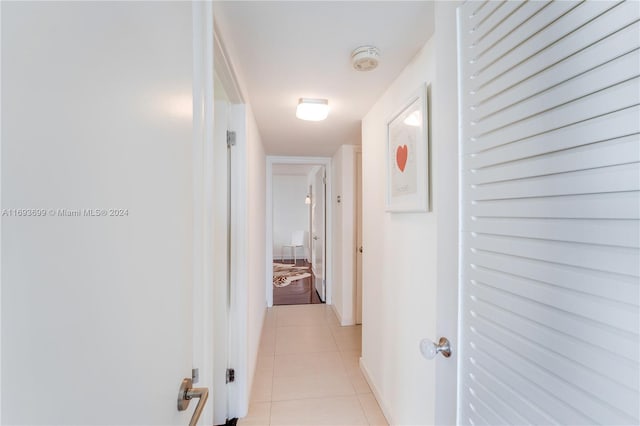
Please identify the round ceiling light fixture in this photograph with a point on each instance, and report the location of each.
(365, 58)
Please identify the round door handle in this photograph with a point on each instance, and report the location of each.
(429, 349)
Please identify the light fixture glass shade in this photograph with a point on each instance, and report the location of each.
(307, 200)
(312, 109)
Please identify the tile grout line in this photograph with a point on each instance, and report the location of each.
(364, 412)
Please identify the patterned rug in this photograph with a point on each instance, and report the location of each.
(284, 274)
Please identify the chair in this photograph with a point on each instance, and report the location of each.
(297, 240)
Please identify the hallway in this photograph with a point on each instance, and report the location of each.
(307, 372)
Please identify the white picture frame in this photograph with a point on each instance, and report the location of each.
(408, 156)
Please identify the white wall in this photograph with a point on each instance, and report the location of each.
(256, 206)
(344, 233)
(290, 213)
(399, 269)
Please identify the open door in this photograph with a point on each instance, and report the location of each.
(318, 231)
(102, 240)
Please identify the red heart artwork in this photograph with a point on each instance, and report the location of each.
(401, 157)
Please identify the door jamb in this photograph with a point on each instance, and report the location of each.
(237, 392)
(202, 146)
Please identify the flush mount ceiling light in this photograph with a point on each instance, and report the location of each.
(365, 58)
(312, 109)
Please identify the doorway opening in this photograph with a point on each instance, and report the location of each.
(298, 244)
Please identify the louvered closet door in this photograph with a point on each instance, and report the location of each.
(550, 256)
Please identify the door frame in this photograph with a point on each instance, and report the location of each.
(203, 198)
(318, 173)
(0, 221)
(357, 255)
(446, 192)
(237, 392)
(321, 161)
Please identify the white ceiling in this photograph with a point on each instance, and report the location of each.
(287, 50)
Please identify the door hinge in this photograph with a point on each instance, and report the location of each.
(231, 138)
(231, 375)
(324, 180)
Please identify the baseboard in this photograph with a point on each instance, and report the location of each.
(343, 322)
(335, 311)
(376, 392)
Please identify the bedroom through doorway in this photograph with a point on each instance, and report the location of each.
(299, 230)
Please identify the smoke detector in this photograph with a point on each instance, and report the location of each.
(365, 58)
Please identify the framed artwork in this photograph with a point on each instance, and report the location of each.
(408, 156)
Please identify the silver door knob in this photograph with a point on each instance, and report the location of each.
(186, 394)
(429, 349)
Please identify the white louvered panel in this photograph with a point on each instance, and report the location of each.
(518, 87)
(577, 356)
(532, 362)
(620, 288)
(619, 260)
(615, 72)
(543, 117)
(515, 381)
(513, 404)
(624, 177)
(608, 232)
(585, 24)
(618, 315)
(615, 205)
(550, 195)
(520, 13)
(607, 127)
(573, 327)
(618, 97)
(480, 15)
(591, 156)
(565, 52)
(486, 22)
(474, 33)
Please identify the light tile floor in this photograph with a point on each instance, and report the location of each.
(308, 373)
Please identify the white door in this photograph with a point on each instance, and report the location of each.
(550, 185)
(99, 256)
(318, 231)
